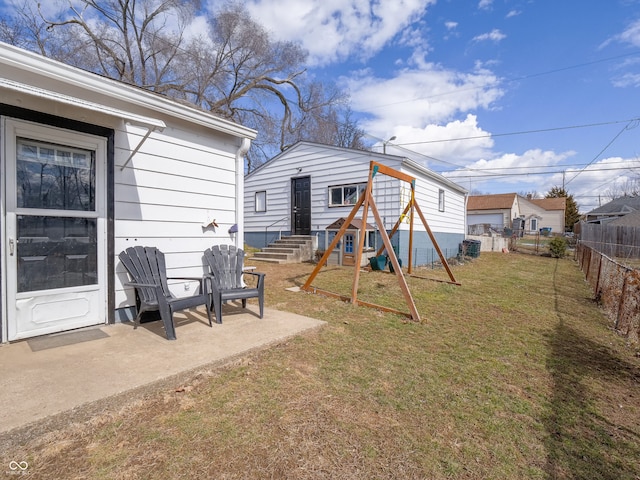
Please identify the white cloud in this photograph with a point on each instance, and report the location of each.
(454, 144)
(332, 30)
(485, 4)
(627, 80)
(511, 172)
(422, 94)
(533, 162)
(513, 13)
(631, 35)
(450, 25)
(494, 35)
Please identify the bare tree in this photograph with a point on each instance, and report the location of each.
(630, 188)
(234, 68)
(128, 40)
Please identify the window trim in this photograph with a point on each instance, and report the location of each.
(441, 202)
(360, 187)
(260, 201)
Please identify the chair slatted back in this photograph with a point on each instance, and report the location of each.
(226, 263)
(146, 265)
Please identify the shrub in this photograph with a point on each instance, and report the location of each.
(558, 247)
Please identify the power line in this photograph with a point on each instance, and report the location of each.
(549, 172)
(632, 124)
(523, 132)
(567, 165)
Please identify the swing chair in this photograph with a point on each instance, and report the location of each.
(366, 201)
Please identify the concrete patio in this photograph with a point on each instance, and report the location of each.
(45, 376)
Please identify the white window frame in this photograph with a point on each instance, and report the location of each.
(441, 200)
(261, 201)
(360, 187)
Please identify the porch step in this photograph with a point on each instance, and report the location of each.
(293, 249)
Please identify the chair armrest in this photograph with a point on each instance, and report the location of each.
(195, 279)
(260, 277)
(134, 284)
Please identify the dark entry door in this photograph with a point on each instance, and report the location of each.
(301, 205)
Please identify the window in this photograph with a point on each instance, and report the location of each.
(348, 243)
(534, 224)
(54, 177)
(371, 240)
(344, 195)
(261, 201)
(441, 200)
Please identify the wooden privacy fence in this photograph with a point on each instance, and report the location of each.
(619, 241)
(616, 287)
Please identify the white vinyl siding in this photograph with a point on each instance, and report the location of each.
(327, 166)
(166, 194)
(331, 166)
(452, 220)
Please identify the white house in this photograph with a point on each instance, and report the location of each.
(309, 186)
(499, 211)
(91, 166)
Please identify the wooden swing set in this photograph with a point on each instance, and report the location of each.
(367, 202)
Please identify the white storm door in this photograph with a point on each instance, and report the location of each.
(55, 236)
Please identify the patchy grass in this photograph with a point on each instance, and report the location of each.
(514, 374)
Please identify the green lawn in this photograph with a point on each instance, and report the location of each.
(515, 374)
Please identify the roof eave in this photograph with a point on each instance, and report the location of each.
(38, 65)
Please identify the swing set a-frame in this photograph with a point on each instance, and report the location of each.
(367, 202)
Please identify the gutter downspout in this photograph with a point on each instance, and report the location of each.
(240, 153)
(466, 220)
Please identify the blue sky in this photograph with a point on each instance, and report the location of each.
(538, 90)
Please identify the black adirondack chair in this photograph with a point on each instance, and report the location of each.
(147, 268)
(226, 264)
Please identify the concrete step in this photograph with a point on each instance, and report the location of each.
(279, 250)
(268, 260)
(272, 255)
(293, 242)
(294, 249)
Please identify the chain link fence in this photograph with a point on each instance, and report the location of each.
(616, 287)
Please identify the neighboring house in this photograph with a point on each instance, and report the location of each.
(629, 220)
(613, 210)
(493, 212)
(550, 213)
(91, 166)
(497, 212)
(309, 186)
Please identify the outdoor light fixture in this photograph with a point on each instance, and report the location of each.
(384, 144)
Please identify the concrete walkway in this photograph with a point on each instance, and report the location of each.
(48, 375)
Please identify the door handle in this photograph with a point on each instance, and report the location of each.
(12, 245)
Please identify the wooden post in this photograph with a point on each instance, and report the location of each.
(368, 201)
(412, 201)
(363, 229)
(396, 265)
(435, 244)
(334, 242)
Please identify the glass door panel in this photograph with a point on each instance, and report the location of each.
(56, 235)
